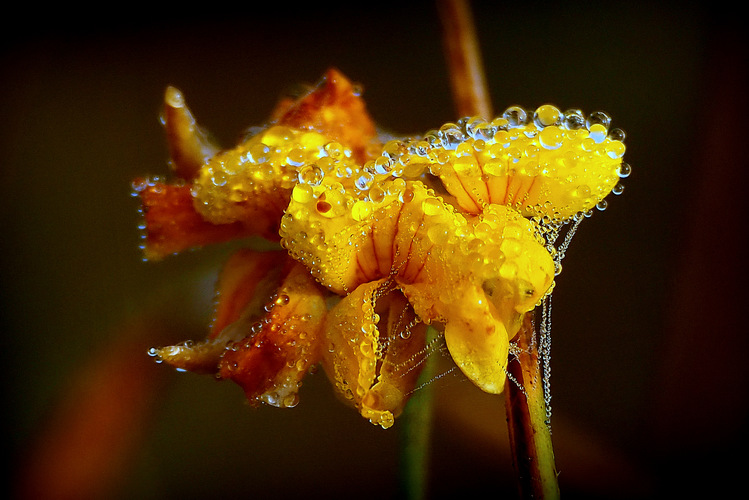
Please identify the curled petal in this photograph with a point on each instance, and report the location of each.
(375, 350)
(189, 146)
(416, 237)
(475, 274)
(245, 284)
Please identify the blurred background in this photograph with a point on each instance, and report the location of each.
(649, 375)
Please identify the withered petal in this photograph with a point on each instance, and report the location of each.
(335, 109)
(172, 225)
(245, 283)
(279, 350)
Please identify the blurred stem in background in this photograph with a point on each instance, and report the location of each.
(416, 429)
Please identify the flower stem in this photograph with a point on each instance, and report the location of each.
(465, 67)
(415, 432)
(530, 434)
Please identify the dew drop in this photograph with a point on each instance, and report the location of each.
(431, 206)
(451, 136)
(598, 118)
(550, 137)
(311, 175)
(574, 119)
(302, 193)
(624, 170)
(615, 149)
(361, 210)
(515, 116)
(597, 132)
(617, 134)
(547, 115)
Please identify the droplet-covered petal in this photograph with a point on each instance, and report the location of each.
(546, 163)
(373, 352)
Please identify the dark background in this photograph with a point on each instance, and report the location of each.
(649, 370)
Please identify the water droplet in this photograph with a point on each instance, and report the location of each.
(478, 128)
(615, 149)
(574, 119)
(451, 135)
(624, 170)
(547, 115)
(311, 175)
(515, 116)
(302, 193)
(598, 118)
(597, 133)
(431, 206)
(550, 137)
(617, 134)
(383, 165)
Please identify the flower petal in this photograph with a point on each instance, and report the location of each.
(245, 284)
(477, 339)
(277, 353)
(335, 109)
(553, 166)
(172, 225)
(375, 349)
(189, 145)
(477, 275)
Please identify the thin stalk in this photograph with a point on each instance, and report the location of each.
(416, 430)
(530, 434)
(464, 64)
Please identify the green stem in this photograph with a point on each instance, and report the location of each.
(530, 435)
(415, 432)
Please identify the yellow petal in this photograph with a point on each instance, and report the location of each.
(552, 166)
(477, 340)
(375, 349)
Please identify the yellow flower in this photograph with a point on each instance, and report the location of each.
(453, 229)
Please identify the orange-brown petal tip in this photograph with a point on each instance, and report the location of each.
(170, 222)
